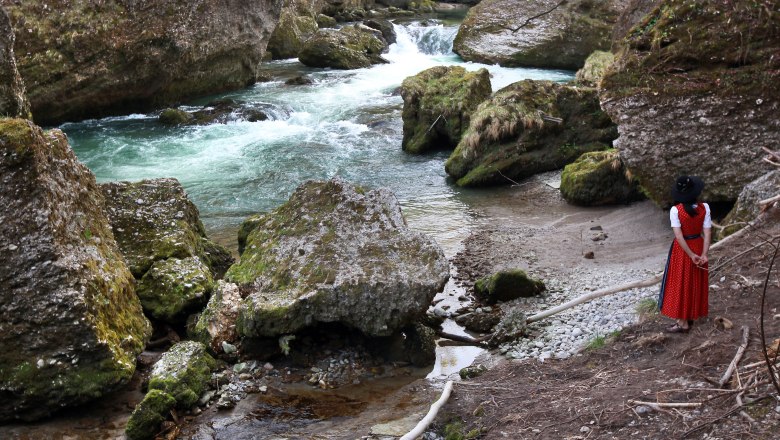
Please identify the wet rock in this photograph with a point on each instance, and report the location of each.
(598, 178)
(13, 97)
(174, 116)
(526, 128)
(293, 29)
(216, 325)
(479, 322)
(747, 209)
(438, 103)
(360, 266)
(221, 112)
(383, 26)
(163, 241)
(145, 421)
(712, 116)
(299, 80)
(351, 47)
(595, 68)
(507, 285)
(541, 33)
(71, 325)
(132, 56)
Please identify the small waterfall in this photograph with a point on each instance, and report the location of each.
(428, 39)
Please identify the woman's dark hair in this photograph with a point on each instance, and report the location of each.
(690, 209)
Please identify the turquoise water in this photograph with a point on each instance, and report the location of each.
(346, 123)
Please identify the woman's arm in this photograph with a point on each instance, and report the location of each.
(678, 235)
(707, 240)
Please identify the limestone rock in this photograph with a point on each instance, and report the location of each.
(631, 13)
(289, 35)
(173, 287)
(221, 112)
(690, 98)
(383, 26)
(351, 47)
(336, 253)
(538, 33)
(438, 103)
(13, 98)
(507, 285)
(91, 59)
(526, 128)
(217, 323)
(70, 323)
(598, 178)
(145, 421)
(595, 68)
(479, 322)
(746, 209)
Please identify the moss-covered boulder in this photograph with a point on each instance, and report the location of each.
(221, 112)
(335, 252)
(13, 97)
(383, 26)
(538, 33)
(178, 380)
(692, 97)
(71, 325)
(351, 47)
(526, 128)
(289, 35)
(747, 209)
(82, 59)
(172, 288)
(165, 245)
(438, 103)
(595, 68)
(145, 421)
(217, 323)
(598, 178)
(326, 21)
(175, 116)
(507, 285)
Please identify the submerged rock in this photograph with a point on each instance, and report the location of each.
(178, 380)
(595, 68)
(507, 285)
(13, 98)
(92, 59)
(336, 253)
(540, 33)
(351, 47)
(691, 98)
(163, 241)
(438, 103)
(220, 112)
(526, 128)
(70, 323)
(598, 178)
(747, 209)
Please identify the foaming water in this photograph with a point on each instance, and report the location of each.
(346, 123)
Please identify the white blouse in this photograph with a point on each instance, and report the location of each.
(674, 217)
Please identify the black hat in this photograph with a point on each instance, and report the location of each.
(687, 189)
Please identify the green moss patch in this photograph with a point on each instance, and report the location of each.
(598, 178)
(145, 421)
(507, 285)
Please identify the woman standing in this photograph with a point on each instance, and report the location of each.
(685, 285)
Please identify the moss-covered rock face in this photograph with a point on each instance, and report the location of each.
(598, 178)
(336, 253)
(70, 323)
(13, 98)
(688, 55)
(540, 33)
(526, 128)
(217, 323)
(289, 35)
(351, 47)
(438, 103)
(163, 241)
(595, 68)
(507, 285)
(747, 209)
(171, 288)
(83, 59)
(177, 380)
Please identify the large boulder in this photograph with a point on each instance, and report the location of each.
(598, 178)
(438, 103)
(536, 33)
(92, 59)
(296, 24)
(507, 285)
(747, 209)
(351, 47)
(13, 100)
(526, 128)
(177, 380)
(595, 68)
(165, 245)
(70, 323)
(691, 97)
(336, 253)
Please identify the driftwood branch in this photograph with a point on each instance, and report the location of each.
(660, 405)
(428, 419)
(740, 351)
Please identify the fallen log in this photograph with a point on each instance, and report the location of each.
(428, 419)
(737, 357)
